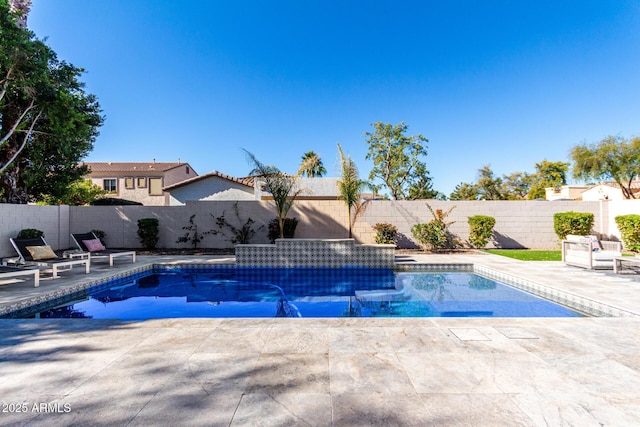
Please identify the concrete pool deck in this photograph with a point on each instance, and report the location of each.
(433, 371)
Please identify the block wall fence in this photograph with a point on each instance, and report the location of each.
(519, 224)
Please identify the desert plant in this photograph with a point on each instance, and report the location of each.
(29, 233)
(480, 230)
(240, 235)
(579, 223)
(192, 235)
(289, 231)
(435, 234)
(629, 226)
(281, 186)
(386, 234)
(349, 188)
(148, 232)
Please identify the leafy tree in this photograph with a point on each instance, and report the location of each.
(81, 192)
(311, 165)
(396, 157)
(48, 123)
(489, 186)
(465, 191)
(612, 158)
(281, 186)
(516, 185)
(350, 186)
(548, 174)
(420, 186)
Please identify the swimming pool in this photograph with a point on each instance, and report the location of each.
(302, 292)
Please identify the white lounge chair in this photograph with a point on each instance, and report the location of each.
(89, 243)
(6, 272)
(36, 251)
(589, 252)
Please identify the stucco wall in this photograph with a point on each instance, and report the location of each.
(518, 223)
(213, 188)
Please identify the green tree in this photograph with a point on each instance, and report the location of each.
(349, 187)
(421, 187)
(489, 186)
(548, 174)
(81, 192)
(281, 186)
(396, 157)
(48, 123)
(311, 165)
(516, 185)
(465, 191)
(612, 158)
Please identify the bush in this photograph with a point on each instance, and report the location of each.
(30, 233)
(435, 234)
(290, 225)
(629, 226)
(579, 223)
(148, 232)
(386, 234)
(480, 230)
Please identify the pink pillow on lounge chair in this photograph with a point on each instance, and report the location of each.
(94, 245)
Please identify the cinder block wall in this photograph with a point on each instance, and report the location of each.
(518, 223)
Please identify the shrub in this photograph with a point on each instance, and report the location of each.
(480, 230)
(114, 201)
(192, 235)
(579, 223)
(30, 233)
(100, 235)
(629, 226)
(386, 234)
(148, 232)
(435, 234)
(290, 225)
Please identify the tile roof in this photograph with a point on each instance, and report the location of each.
(132, 166)
(635, 185)
(247, 181)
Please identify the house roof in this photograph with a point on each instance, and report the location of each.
(133, 167)
(635, 185)
(246, 181)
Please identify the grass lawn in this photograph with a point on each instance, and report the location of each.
(527, 254)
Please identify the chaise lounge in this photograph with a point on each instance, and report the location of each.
(36, 251)
(589, 252)
(89, 243)
(6, 272)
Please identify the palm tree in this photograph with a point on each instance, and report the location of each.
(350, 186)
(311, 165)
(280, 185)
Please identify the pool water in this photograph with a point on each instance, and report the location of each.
(306, 292)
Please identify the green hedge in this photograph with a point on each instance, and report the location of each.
(629, 226)
(480, 230)
(148, 232)
(579, 223)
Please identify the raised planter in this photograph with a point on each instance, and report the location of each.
(315, 253)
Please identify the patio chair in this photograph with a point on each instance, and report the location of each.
(589, 252)
(36, 251)
(6, 272)
(91, 244)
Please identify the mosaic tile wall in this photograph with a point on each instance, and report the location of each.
(315, 253)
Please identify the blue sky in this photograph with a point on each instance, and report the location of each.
(506, 83)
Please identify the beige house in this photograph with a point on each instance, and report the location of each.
(565, 192)
(139, 181)
(609, 191)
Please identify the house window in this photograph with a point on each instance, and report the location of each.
(128, 182)
(141, 182)
(155, 186)
(109, 185)
(187, 170)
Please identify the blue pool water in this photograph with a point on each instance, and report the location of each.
(306, 292)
